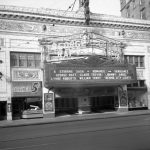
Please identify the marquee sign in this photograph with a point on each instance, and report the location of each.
(71, 74)
(86, 43)
(90, 73)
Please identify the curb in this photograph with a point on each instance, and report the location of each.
(72, 119)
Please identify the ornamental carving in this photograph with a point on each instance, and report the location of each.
(16, 26)
(83, 44)
(67, 30)
(26, 75)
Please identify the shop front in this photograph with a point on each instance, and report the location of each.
(27, 100)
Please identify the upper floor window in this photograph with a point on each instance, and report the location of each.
(29, 60)
(141, 2)
(128, 11)
(143, 14)
(138, 84)
(137, 60)
(1, 41)
(134, 5)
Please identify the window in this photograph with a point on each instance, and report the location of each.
(141, 2)
(135, 84)
(33, 103)
(22, 60)
(131, 60)
(37, 60)
(14, 60)
(1, 41)
(138, 84)
(133, 4)
(142, 83)
(29, 60)
(137, 60)
(128, 12)
(141, 61)
(143, 14)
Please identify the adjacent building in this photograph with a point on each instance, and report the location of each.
(51, 63)
(137, 9)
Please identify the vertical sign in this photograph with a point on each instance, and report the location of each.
(49, 102)
(122, 95)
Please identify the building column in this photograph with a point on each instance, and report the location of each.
(9, 109)
(122, 99)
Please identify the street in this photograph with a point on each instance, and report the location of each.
(123, 133)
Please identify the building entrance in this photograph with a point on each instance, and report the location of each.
(17, 107)
(102, 103)
(3, 110)
(97, 104)
(66, 105)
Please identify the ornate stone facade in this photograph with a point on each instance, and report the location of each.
(21, 27)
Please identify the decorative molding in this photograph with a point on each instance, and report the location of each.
(70, 18)
(93, 61)
(26, 44)
(36, 28)
(26, 75)
(18, 26)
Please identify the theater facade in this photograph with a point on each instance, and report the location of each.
(54, 64)
(85, 73)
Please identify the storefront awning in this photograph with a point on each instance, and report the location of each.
(88, 72)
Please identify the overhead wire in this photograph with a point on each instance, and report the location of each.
(71, 6)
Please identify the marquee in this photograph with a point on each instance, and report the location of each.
(93, 71)
(81, 44)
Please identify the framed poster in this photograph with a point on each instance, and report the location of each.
(49, 102)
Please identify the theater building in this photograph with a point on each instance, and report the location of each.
(53, 63)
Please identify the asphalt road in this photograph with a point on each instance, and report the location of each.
(126, 133)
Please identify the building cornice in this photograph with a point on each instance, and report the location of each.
(52, 16)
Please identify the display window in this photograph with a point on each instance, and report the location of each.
(33, 103)
(137, 99)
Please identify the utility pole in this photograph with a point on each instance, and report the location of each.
(85, 5)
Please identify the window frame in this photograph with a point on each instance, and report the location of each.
(131, 60)
(25, 61)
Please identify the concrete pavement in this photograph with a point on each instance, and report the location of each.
(69, 118)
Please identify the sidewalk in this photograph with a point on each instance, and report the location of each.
(69, 118)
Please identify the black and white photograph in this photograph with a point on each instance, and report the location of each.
(74, 74)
